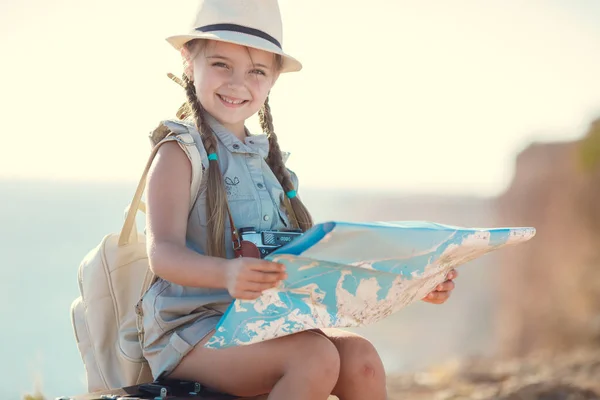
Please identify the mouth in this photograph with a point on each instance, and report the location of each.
(231, 101)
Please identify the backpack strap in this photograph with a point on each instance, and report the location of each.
(186, 142)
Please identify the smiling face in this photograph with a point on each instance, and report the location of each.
(231, 81)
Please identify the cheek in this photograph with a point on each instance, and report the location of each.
(260, 88)
(201, 90)
(206, 85)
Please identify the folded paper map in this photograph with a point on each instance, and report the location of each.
(343, 274)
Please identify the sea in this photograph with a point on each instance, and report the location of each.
(47, 227)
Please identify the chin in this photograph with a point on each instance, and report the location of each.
(232, 117)
(228, 118)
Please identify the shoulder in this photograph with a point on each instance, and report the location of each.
(285, 155)
(185, 129)
(170, 127)
(178, 126)
(170, 159)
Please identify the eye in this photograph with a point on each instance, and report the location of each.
(258, 72)
(220, 65)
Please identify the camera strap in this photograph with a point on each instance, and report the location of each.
(241, 248)
(235, 238)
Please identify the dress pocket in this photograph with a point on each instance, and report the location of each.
(152, 328)
(243, 210)
(178, 305)
(237, 190)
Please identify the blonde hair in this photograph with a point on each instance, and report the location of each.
(216, 207)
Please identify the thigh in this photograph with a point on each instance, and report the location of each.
(254, 369)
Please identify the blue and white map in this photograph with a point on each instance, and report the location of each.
(343, 275)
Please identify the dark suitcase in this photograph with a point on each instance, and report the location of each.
(170, 389)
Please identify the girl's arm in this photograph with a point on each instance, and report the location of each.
(168, 197)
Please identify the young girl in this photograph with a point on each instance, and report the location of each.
(232, 58)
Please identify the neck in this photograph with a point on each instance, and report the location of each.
(237, 129)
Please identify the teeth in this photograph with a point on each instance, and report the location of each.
(225, 99)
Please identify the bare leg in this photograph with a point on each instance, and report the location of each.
(300, 366)
(362, 375)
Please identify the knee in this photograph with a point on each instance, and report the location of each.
(360, 363)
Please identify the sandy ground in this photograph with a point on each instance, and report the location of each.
(569, 376)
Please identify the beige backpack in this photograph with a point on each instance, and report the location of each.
(112, 279)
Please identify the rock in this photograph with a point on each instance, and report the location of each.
(549, 288)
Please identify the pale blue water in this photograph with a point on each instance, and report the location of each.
(46, 228)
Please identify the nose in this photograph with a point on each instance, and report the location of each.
(236, 80)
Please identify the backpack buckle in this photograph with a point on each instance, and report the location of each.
(139, 321)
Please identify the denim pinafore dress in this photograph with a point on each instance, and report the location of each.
(175, 317)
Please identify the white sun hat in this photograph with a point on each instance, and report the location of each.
(252, 23)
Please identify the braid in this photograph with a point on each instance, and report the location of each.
(298, 214)
(216, 196)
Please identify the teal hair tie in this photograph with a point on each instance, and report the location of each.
(213, 156)
(291, 194)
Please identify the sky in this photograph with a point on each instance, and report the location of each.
(410, 96)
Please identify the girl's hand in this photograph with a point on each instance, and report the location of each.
(443, 290)
(246, 277)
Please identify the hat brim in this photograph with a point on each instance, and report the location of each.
(290, 64)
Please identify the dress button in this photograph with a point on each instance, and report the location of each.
(260, 185)
(236, 146)
(266, 217)
(251, 141)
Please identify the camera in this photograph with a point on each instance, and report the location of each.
(268, 241)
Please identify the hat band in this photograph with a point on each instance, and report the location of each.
(240, 29)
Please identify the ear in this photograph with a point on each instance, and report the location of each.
(189, 63)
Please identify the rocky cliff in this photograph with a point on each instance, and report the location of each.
(549, 288)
